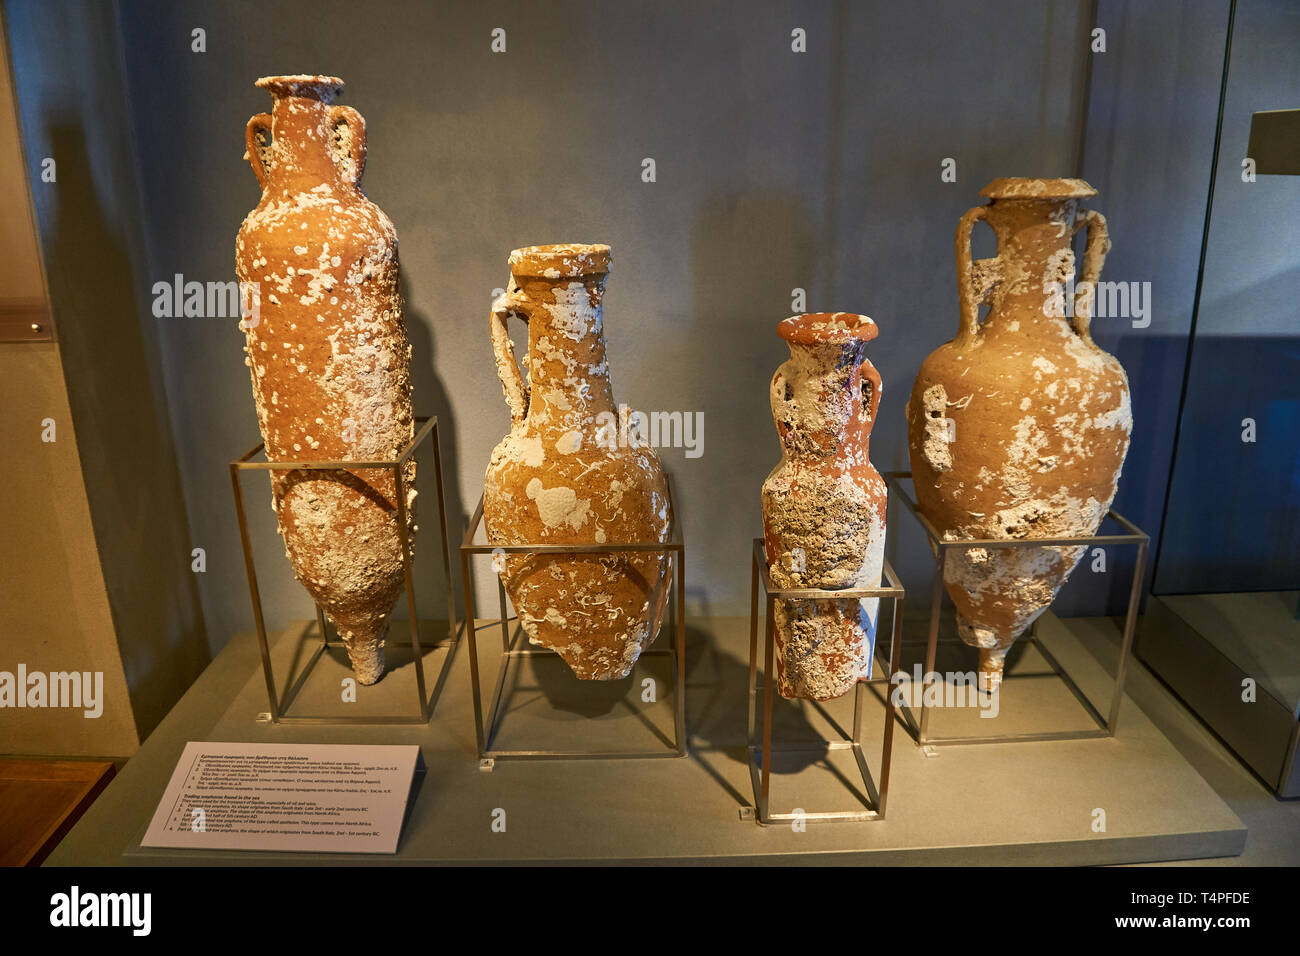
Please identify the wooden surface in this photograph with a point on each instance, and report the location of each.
(40, 800)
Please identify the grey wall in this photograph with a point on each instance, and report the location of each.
(68, 74)
(1149, 144)
(1230, 497)
(776, 170)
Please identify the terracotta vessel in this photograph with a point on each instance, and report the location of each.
(824, 504)
(569, 473)
(328, 354)
(1018, 427)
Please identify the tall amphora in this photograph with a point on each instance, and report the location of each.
(327, 350)
(1018, 427)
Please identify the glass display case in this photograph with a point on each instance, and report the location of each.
(1223, 628)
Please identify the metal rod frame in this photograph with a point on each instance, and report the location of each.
(1106, 726)
(280, 708)
(485, 731)
(760, 752)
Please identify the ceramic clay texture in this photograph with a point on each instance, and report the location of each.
(824, 504)
(328, 353)
(568, 474)
(1019, 426)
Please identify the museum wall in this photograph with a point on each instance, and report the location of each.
(1238, 435)
(1148, 148)
(67, 64)
(54, 613)
(774, 171)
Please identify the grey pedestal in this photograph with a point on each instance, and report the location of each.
(1207, 646)
(1024, 803)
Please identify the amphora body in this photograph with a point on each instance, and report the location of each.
(824, 504)
(570, 472)
(327, 350)
(1018, 427)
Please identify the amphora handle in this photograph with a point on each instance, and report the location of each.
(516, 390)
(257, 146)
(349, 150)
(975, 280)
(1094, 257)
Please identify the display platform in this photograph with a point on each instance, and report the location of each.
(1020, 803)
(1208, 647)
(1259, 629)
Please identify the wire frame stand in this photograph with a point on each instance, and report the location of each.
(279, 712)
(760, 750)
(486, 730)
(939, 547)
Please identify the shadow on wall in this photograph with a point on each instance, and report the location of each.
(128, 460)
(1236, 483)
(429, 397)
(749, 250)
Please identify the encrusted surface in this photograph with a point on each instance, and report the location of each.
(1039, 421)
(824, 504)
(313, 85)
(1015, 187)
(565, 474)
(329, 359)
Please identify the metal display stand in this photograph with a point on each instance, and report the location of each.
(486, 731)
(1106, 726)
(760, 769)
(279, 712)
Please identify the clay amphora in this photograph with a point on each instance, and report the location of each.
(824, 504)
(1018, 427)
(328, 353)
(569, 472)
